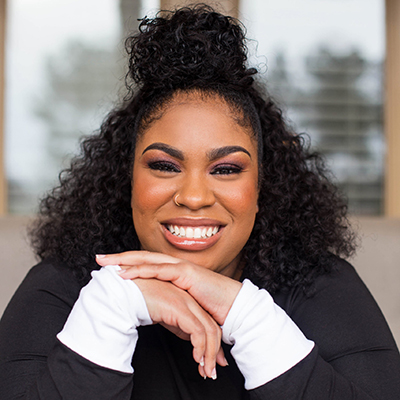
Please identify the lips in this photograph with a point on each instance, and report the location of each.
(192, 235)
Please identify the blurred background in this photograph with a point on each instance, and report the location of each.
(333, 66)
(323, 60)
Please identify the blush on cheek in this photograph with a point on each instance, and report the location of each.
(146, 195)
(243, 199)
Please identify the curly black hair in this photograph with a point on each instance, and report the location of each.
(301, 225)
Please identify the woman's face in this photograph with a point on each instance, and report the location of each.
(197, 154)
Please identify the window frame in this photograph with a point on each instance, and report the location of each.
(391, 114)
(3, 185)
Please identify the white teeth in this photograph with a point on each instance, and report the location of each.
(189, 233)
(193, 232)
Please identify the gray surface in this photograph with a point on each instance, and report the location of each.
(377, 261)
(16, 256)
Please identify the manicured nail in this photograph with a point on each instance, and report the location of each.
(121, 271)
(226, 362)
(214, 374)
(100, 255)
(202, 361)
(205, 376)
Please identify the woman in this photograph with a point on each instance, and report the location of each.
(217, 238)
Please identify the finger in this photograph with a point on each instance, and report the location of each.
(176, 331)
(201, 371)
(214, 292)
(205, 336)
(174, 307)
(134, 258)
(213, 336)
(213, 343)
(221, 359)
(181, 275)
(163, 272)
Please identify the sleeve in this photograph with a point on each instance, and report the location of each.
(102, 324)
(36, 365)
(354, 357)
(266, 342)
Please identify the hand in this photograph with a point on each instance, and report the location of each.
(214, 292)
(177, 311)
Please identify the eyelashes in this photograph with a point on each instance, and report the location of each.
(226, 169)
(219, 169)
(163, 166)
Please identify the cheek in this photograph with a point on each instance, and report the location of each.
(242, 199)
(147, 198)
(147, 194)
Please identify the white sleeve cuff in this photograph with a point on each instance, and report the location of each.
(266, 342)
(102, 324)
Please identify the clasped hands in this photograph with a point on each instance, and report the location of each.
(189, 300)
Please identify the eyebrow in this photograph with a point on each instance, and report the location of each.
(224, 151)
(212, 155)
(172, 151)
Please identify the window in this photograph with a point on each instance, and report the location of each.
(64, 67)
(324, 61)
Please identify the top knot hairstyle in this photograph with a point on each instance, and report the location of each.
(191, 48)
(301, 224)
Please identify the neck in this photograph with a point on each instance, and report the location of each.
(234, 269)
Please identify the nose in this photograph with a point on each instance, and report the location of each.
(195, 193)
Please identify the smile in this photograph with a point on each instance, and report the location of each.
(193, 232)
(192, 235)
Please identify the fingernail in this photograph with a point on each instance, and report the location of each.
(202, 361)
(121, 271)
(100, 255)
(205, 376)
(226, 362)
(214, 374)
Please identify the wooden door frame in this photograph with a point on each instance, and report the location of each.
(3, 183)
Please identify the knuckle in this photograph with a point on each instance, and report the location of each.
(199, 328)
(188, 267)
(198, 342)
(211, 326)
(212, 330)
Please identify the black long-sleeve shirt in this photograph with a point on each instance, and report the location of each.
(355, 355)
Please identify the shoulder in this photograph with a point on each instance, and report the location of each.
(341, 315)
(50, 278)
(340, 280)
(38, 311)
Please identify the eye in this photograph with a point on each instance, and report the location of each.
(226, 169)
(163, 166)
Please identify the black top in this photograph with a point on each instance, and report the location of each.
(355, 355)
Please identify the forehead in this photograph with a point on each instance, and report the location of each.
(199, 120)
